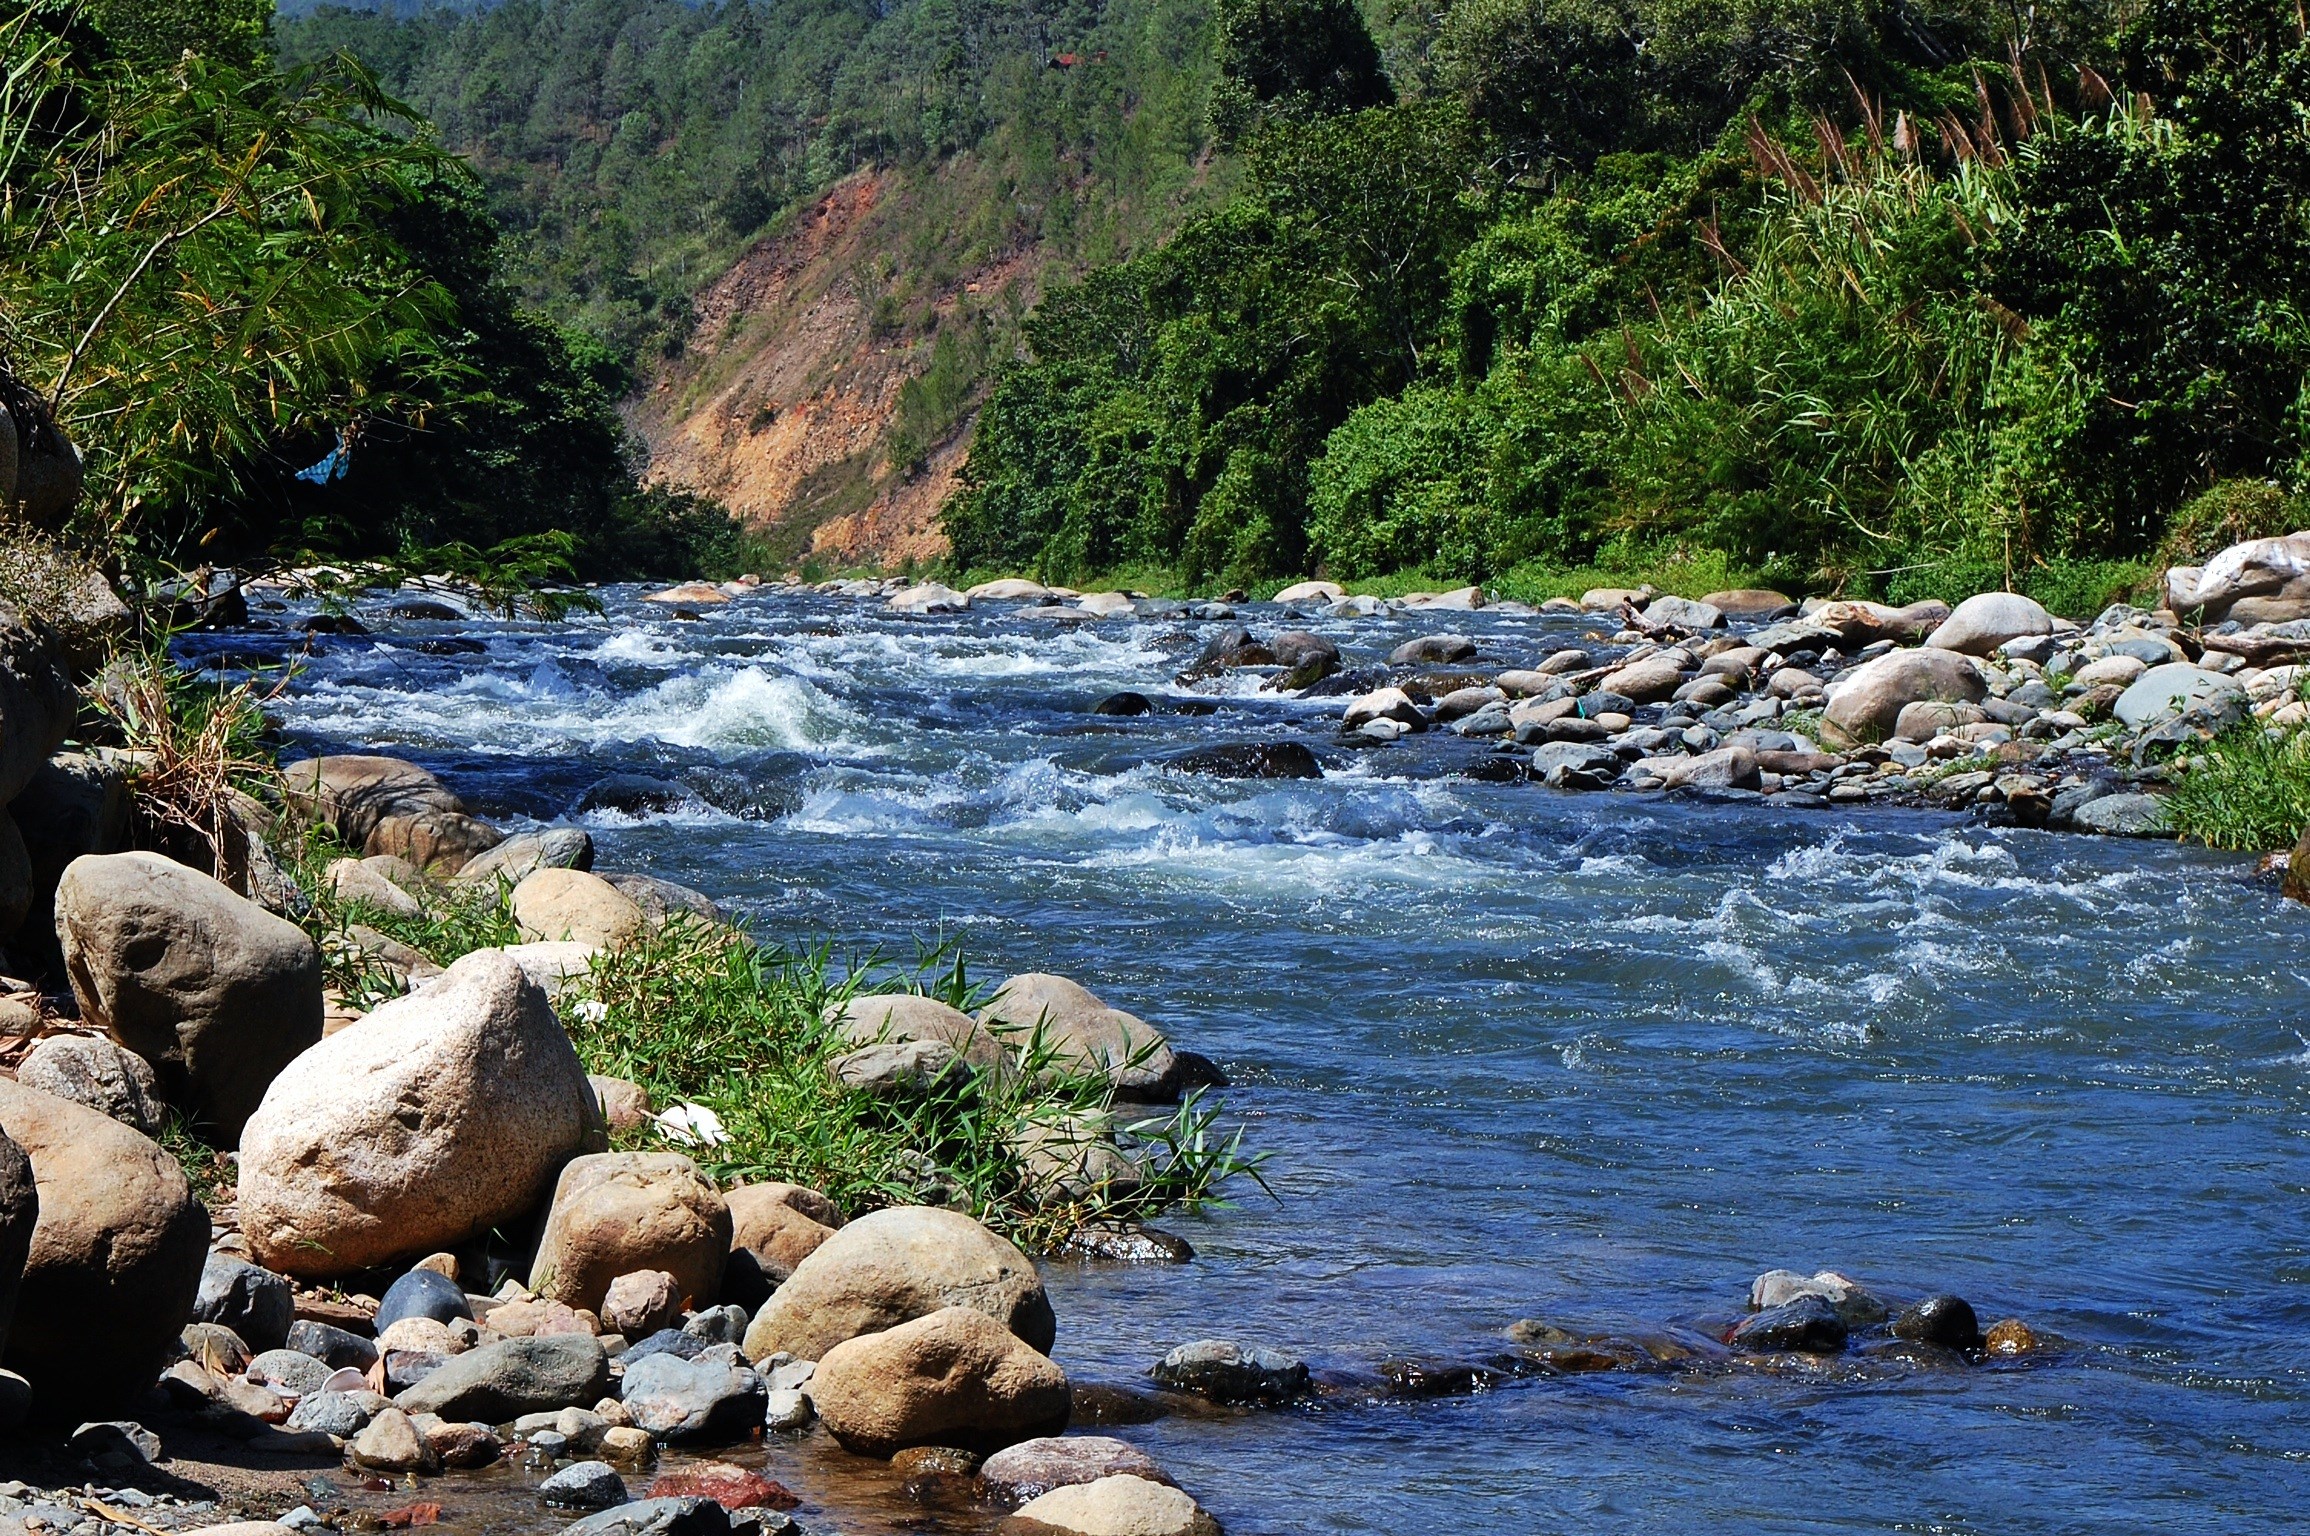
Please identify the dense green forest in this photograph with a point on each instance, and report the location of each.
(216, 272)
(1904, 298)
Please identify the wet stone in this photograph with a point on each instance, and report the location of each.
(1228, 1372)
(1807, 1325)
(584, 1485)
(1945, 1320)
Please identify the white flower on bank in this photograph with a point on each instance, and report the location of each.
(592, 1009)
(691, 1125)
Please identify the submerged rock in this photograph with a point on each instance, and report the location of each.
(1228, 1372)
(1251, 760)
(1807, 1325)
(1945, 1320)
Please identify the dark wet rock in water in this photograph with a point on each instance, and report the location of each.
(333, 1346)
(1945, 1320)
(1125, 703)
(1195, 707)
(448, 645)
(1807, 1325)
(1034, 1467)
(1251, 760)
(253, 1302)
(1125, 1244)
(1436, 1378)
(656, 1517)
(1432, 649)
(333, 624)
(1348, 684)
(1196, 1070)
(1915, 1352)
(1227, 1372)
(936, 1460)
(421, 609)
(635, 794)
(422, 1293)
(584, 1485)
(1496, 768)
(1105, 1402)
(1531, 1330)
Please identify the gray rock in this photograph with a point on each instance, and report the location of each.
(718, 1325)
(1228, 1372)
(335, 1347)
(498, 1382)
(2178, 688)
(584, 1485)
(1988, 621)
(1682, 613)
(678, 1399)
(290, 1373)
(253, 1302)
(656, 1517)
(213, 990)
(91, 1070)
(405, 1368)
(2121, 815)
(1944, 1320)
(899, 1068)
(1033, 1468)
(1854, 1305)
(786, 1408)
(1575, 765)
(36, 702)
(1808, 1325)
(518, 857)
(1432, 649)
(422, 1293)
(343, 1414)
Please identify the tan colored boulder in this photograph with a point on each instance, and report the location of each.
(553, 964)
(1311, 592)
(441, 843)
(896, 1265)
(353, 792)
(575, 906)
(1086, 1036)
(1986, 620)
(356, 881)
(815, 1204)
(617, 1212)
(1865, 623)
(2272, 573)
(213, 990)
(115, 1259)
(690, 594)
(639, 1304)
(1382, 704)
(903, 1016)
(1749, 602)
(438, 1116)
(19, 1215)
(1113, 1506)
(765, 1220)
(956, 1377)
(1865, 704)
(1647, 681)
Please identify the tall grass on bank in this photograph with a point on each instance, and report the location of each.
(2248, 789)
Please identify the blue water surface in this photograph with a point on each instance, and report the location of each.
(1516, 1053)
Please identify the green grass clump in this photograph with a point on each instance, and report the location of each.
(2248, 789)
(701, 1013)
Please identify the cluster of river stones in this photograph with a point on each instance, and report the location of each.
(1996, 704)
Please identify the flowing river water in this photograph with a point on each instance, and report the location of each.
(1598, 1059)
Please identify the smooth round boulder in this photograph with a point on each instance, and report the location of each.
(1112, 1506)
(897, 1017)
(2178, 688)
(892, 1267)
(100, 1073)
(422, 1293)
(617, 1212)
(437, 1117)
(1987, 620)
(1865, 704)
(216, 992)
(956, 1377)
(1085, 1036)
(576, 907)
(115, 1258)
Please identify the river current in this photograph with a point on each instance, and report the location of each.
(1598, 1059)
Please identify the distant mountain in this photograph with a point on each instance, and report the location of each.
(807, 225)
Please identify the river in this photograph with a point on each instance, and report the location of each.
(1598, 1059)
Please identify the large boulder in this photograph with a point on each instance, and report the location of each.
(441, 843)
(433, 1119)
(517, 858)
(574, 906)
(1086, 1036)
(617, 1212)
(75, 805)
(896, 1265)
(956, 1377)
(36, 700)
(353, 792)
(97, 1072)
(1033, 1468)
(256, 1304)
(1123, 1505)
(115, 1260)
(49, 471)
(766, 1220)
(213, 990)
(1987, 620)
(500, 1382)
(70, 595)
(2273, 575)
(1864, 705)
(2178, 688)
(876, 1019)
(1865, 623)
(19, 1215)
